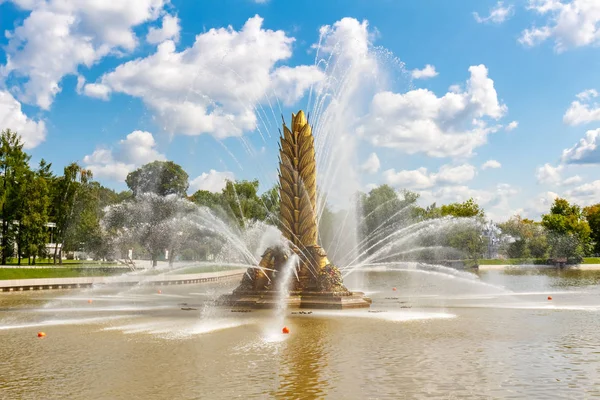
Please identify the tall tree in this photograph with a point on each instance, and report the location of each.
(159, 177)
(66, 194)
(32, 234)
(13, 168)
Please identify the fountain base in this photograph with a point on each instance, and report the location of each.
(305, 299)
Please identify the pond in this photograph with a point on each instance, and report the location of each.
(496, 335)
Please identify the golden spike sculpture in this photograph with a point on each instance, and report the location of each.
(298, 183)
(319, 283)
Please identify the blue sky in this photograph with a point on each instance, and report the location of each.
(454, 99)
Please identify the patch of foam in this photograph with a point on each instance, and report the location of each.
(548, 307)
(392, 316)
(170, 329)
(56, 322)
(92, 308)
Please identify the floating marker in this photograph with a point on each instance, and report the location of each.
(549, 297)
(41, 334)
(90, 301)
(285, 330)
(159, 291)
(394, 289)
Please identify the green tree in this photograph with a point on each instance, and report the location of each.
(567, 219)
(157, 223)
(160, 177)
(66, 204)
(88, 235)
(13, 169)
(240, 199)
(530, 238)
(207, 199)
(465, 235)
(383, 211)
(466, 209)
(592, 216)
(32, 234)
(271, 202)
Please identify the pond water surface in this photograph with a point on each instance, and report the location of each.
(437, 336)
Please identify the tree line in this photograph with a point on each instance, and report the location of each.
(72, 211)
(38, 207)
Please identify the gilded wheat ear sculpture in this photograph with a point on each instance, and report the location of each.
(298, 185)
(318, 283)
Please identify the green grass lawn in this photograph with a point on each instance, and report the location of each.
(591, 260)
(94, 270)
(536, 261)
(50, 261)
(65, 272)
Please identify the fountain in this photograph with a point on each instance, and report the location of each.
(318, 282)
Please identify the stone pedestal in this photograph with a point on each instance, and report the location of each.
(306, 300)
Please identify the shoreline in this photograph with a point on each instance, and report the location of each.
(580, 267)
(19, 285)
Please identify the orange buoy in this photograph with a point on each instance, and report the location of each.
(90, 301)
(285, 330)
(159, 291)
(394, 289)
(41, 334)
(549, 297)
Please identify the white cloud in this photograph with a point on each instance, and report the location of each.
(371, 186)
(540, 204)
(12, 117)
(169, 30)
(372, 164)
(425, 73)
(498, 14)
(583, 110)
(213, 181)
(421, 179)
(584, 152)
(58, 36)
(512, 126)
(574, 23)
(534, 36)
(290, 83)
(138, 148)
(409, 179)
(96, 90)
(491, 164)
(449, 126)
(549, 174)
(587, 94)
(586, 194)
(214, 86)
(572, 180)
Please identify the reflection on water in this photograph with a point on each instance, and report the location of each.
(303, 364)
(434, 337)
